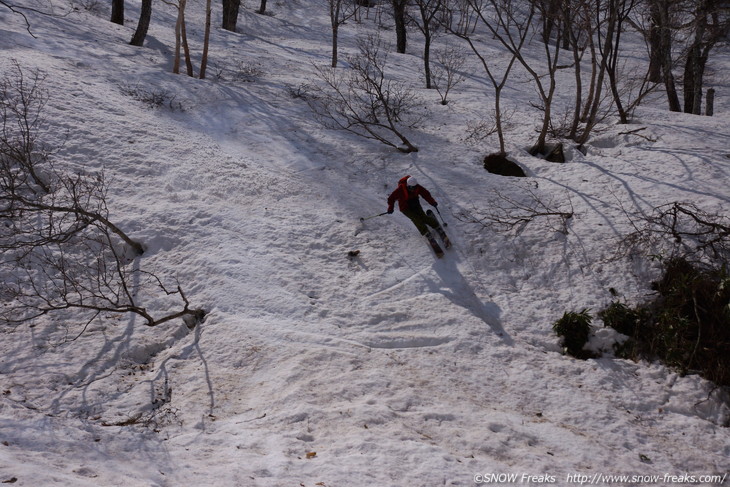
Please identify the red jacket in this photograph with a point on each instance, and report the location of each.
(407, 198)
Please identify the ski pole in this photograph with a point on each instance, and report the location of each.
(442, 218)
(362, 219)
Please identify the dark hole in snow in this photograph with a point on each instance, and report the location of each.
(499, 164)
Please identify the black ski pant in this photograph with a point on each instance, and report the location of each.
(421, 220)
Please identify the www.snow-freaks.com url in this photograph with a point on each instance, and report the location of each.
(600, 479)
(605, 479)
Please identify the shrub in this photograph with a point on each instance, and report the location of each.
(364, 101)
(574, 328)
(626, 321)
(248, 72)
(301, 92)
(153, 98)
(687, 324)
(620, 317)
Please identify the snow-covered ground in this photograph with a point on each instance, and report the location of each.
(314, 367)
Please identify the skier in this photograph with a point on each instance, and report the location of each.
(406, 194)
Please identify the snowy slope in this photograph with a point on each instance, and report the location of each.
(389, 368)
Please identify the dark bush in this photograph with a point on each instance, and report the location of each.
(551, 153)
(575, 328)
(620, 317)
(628, 322)
(556, 154)
(687, 324)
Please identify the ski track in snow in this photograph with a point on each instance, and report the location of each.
(394, 367)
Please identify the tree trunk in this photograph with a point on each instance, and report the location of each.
(335, 22)
(178, 36)
(710, 111)
(550, 17)
(427, 57)
(428, 10)
(337, 17)
(498, 118)
(118, 12)
(335, 32)
(611, 52)
(262, 7)
(399, 13)
(206, 40)
(143, 24)
(660, 9)
(186, 48)
(594, 79)
(540, 145)
(671, 89)
(694, 72)
(578, 85)
(694, 67)
(590, 114)
(655, 44)
(230, 14)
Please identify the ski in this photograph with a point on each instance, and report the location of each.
(435, 246)
(440, 230)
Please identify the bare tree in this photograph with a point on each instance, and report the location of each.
(661, 40)
(181, 38)
(60, 250)
(84, 276)
(21, 104)
(340, 12)
(447, 71)
(680, 229)
(262, 7)
(179, 24)
(577, 16)
(511, 24)
(143, 24)
(710, 25)
(595, 33)
(401, 31)
(118, 12)
(31, 186)
(459, 17)
(230, 14)
(552, 19)
(594, 110)
(495, 24)
(206, 39)
(364, 101)
(615, 13)
(684, 31)
(513, 212)
(428, 23)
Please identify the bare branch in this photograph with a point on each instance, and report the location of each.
(18, 9)
(364, 101)
(683, 229)
(61, 253)
(513, 213)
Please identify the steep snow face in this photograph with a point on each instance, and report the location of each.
(314, 366)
